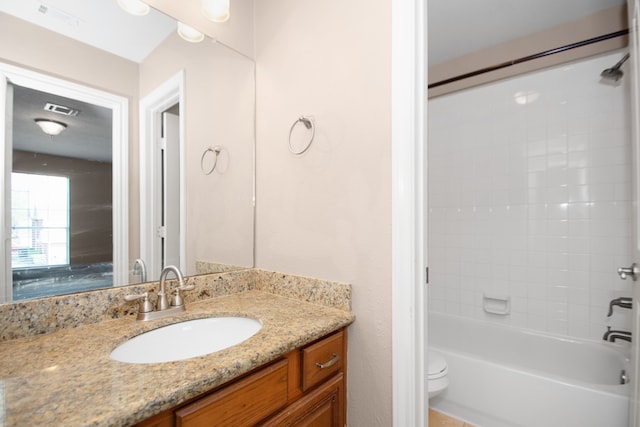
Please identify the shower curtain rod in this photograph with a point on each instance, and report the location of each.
(529, 58)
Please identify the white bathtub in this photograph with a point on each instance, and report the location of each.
(507, 377)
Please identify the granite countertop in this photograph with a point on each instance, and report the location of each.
(67, 378)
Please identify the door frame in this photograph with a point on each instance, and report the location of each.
(152, 106)
(409, 258)
(633, 7)
(120, 165)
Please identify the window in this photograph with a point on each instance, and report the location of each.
(39, 220)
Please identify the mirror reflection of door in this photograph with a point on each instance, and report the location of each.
(170, 159)
(61, 195)
(162, 182)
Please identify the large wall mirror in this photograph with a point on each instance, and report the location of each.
(153, 163)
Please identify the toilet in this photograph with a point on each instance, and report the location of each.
(437, 375)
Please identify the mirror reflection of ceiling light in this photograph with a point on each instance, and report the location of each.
(50, 127)
(189, 34)
(134, 7)
(216, 10)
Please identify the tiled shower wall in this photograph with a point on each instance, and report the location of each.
(529, 199)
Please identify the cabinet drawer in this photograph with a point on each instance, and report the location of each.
(322, 359)
(241, 404)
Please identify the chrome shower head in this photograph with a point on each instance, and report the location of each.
(614, 73)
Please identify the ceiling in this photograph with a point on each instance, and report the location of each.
(100, 23)
(93, 22)
(459, 27)
(455, 28)
(87, 137)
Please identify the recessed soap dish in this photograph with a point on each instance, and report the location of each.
(496, 304)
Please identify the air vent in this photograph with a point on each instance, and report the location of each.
(61, 109)
(59, 15)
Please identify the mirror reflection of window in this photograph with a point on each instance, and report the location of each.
(39, 220)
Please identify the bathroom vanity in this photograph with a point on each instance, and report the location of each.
(306, 385)
(292, 371)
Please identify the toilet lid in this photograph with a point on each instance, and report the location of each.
(437, 365)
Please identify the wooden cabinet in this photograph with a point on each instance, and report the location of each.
(322, 407)
(306, 387)
(243, 403)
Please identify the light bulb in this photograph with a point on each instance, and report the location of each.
(216, 10)
(134, 7)
(190, 34)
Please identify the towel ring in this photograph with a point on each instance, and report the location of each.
(308, 123)
(215, 150)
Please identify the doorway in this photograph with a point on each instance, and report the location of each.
(17, 84)
(162, 182)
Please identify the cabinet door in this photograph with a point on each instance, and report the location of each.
(323, 407)
(241, 404)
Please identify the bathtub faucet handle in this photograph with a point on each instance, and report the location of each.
(623, 302)
(632, 272)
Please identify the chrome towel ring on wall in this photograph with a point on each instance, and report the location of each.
(216, 151)
(309, 124)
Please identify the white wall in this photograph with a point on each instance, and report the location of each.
(532, 201)
(327, 213)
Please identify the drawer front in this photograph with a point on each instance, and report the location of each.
(241, 404)
(322, 359)
(321, 407)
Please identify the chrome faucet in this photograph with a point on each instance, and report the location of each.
(163, 309)
(139, 268)
(613, 335)
(624, 302)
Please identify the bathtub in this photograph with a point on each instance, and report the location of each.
(508, 377)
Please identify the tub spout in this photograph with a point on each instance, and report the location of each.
(623, 302)
(613, 335)
(625, 337)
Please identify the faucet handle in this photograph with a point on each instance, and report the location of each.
(631, 271)
(177, 298)
(145, 304)
(623, 302)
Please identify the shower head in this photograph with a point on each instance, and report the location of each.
(614, 73)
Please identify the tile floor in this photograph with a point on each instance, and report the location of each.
(438, 419)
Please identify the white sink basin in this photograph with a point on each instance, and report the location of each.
(187, 339)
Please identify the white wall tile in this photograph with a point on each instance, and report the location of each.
(532, 201)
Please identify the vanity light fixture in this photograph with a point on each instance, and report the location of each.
(189, 34)
(134, 7)
(216, 10)
(50, 127)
